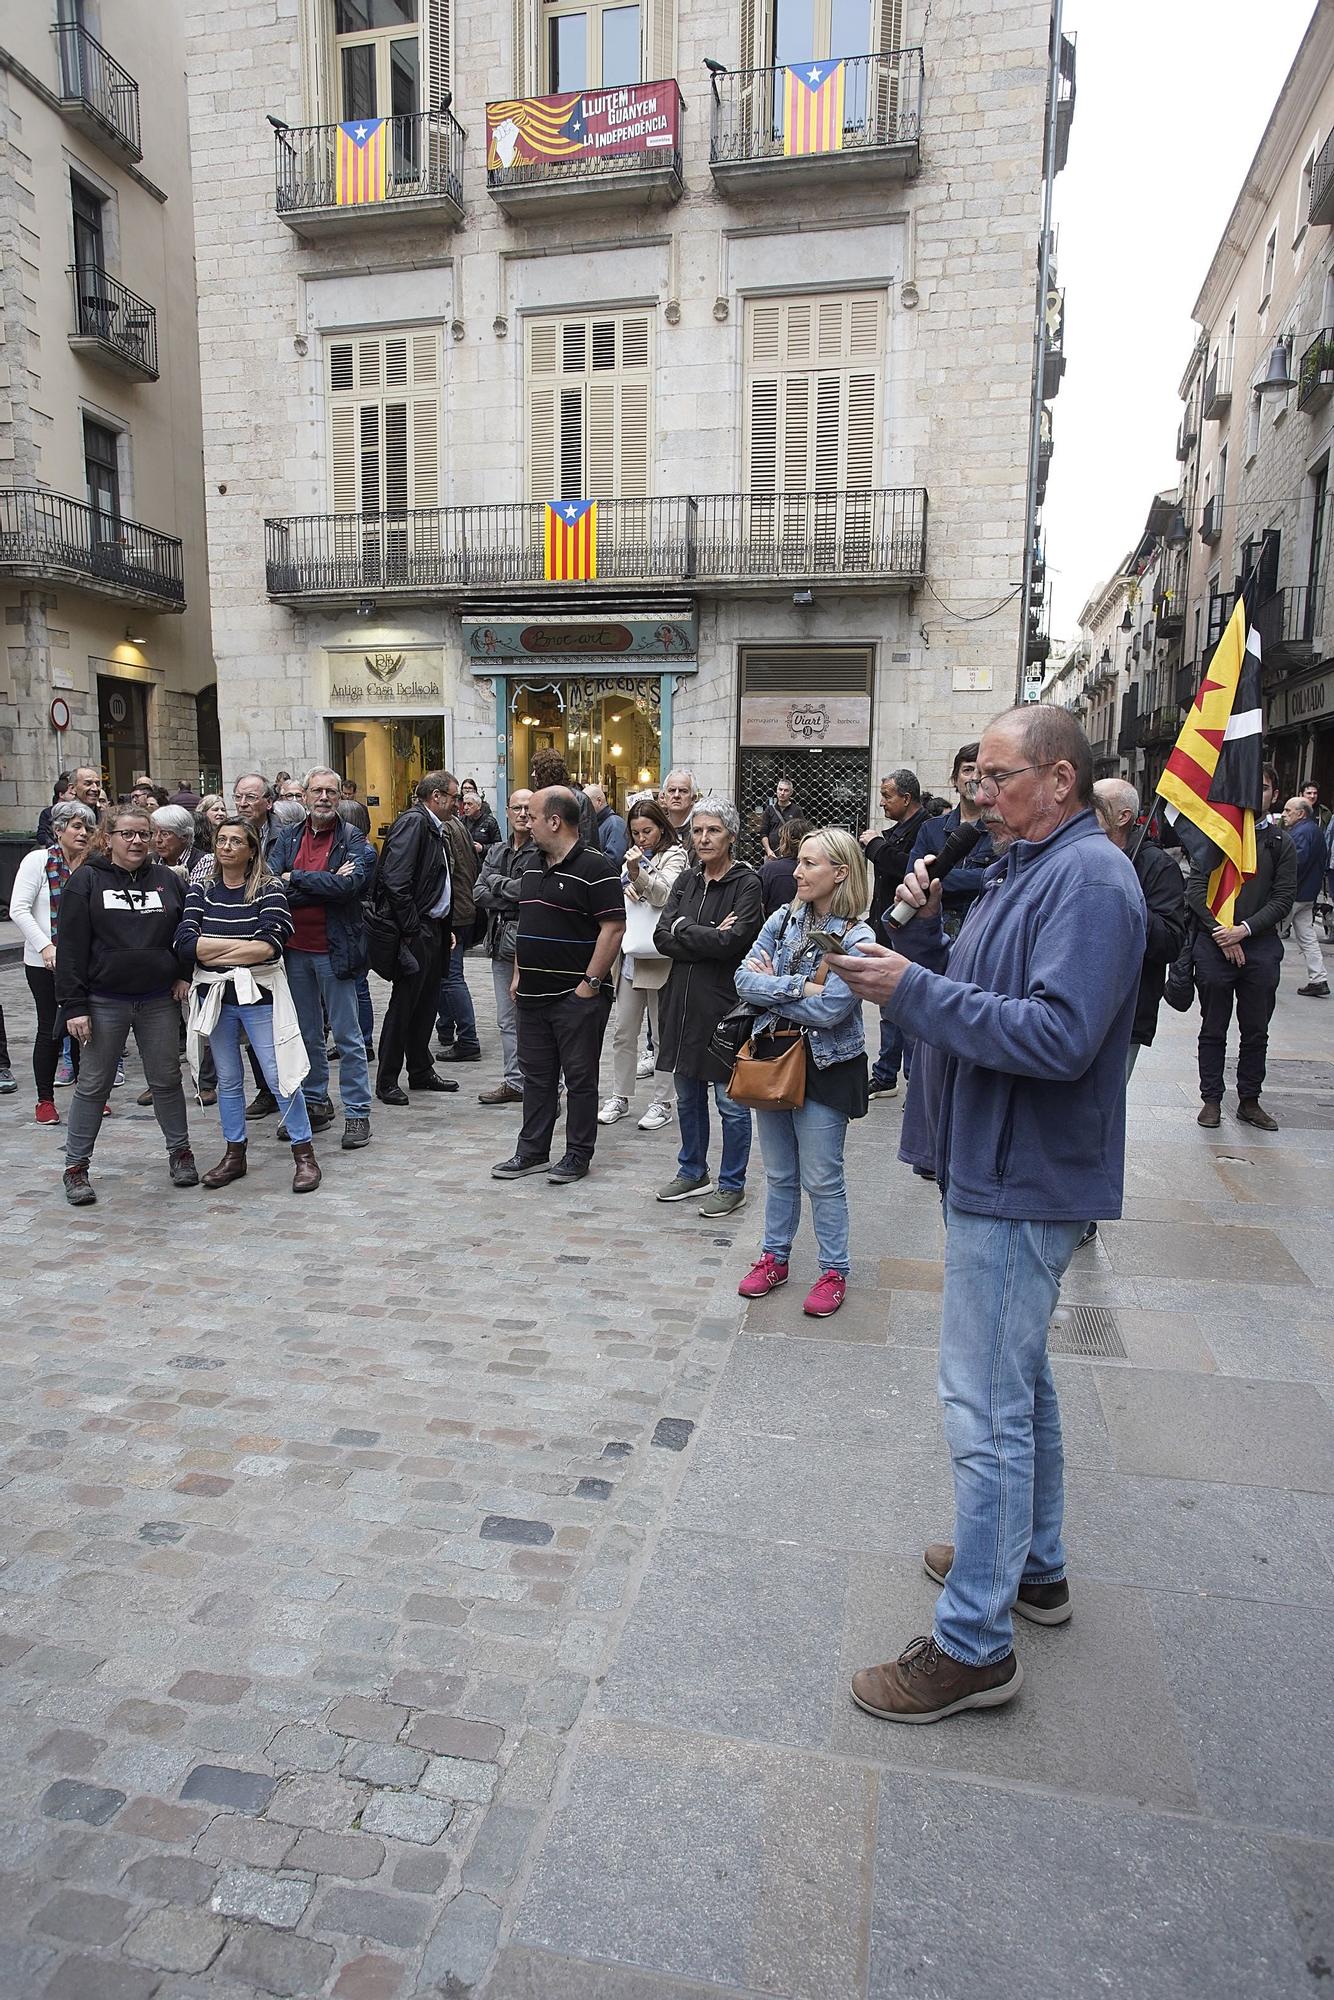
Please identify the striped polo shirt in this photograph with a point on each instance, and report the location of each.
(562, 906)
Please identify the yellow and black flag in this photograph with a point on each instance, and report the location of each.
(1213, 784)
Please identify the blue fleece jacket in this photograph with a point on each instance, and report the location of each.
(1026, 1118)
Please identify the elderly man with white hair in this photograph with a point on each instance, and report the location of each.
(1117, 806)
(1299, 817)
(713, 916)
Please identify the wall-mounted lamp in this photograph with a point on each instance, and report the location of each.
(366, 607)
(134, 638)
(803, 599)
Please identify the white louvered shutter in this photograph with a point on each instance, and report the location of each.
(384, 447)
(659, 58)
(589, 404)
(891, 82)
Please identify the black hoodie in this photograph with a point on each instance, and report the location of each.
(116, 931)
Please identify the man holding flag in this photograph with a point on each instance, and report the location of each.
(1243, 876)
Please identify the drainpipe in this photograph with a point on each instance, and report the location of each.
(1039, 339)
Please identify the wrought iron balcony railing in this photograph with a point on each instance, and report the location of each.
(1211, 520)
(50, 535)
(1321, 207)
(121, 324)
(1217, 389)
(1315, 372)
(422, 165)
(1288, 622)
(92, 81)
(744, 539)
(874, 107)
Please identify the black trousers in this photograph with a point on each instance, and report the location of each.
(1253, 988)
(45, 1047)
(560, 1037)
(405, 1032)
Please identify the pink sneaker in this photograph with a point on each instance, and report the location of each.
(825, 1296)
(764, 1277)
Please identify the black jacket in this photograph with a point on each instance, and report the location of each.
(497, 894)
(339, 895)
(701, 986)
(1165, 901)
(1263, 902)
(116, 931)
(888, 855)
(410, 872)
(462, 875)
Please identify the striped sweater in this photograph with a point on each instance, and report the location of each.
(214, 910)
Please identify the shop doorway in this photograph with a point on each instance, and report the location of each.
(122, 721)
(386, 757)
(830, 788)
(608, 730)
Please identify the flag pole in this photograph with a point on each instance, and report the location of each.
(1247, 582)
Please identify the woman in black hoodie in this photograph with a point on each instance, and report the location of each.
(116, 971)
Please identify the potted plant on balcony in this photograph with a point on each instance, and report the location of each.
(1317, 369)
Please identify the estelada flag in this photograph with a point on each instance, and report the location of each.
(534, 128)
(1213, 784)
(813, 109)
(571, 551)
(359, 162)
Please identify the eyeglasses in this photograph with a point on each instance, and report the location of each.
(122, 835)
(997, 781)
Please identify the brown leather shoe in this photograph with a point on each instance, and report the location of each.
(926, 1685)
(502, 1094)
(1210, 1115)
(307, 1176)
(231, 1167)
(1252, 1112)
(1040, 1603)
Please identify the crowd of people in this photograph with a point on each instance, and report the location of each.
(1015, 991)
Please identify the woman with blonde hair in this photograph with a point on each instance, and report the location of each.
(791, 976)
(653, 860)
(230, 938)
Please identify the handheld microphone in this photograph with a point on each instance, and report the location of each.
(962, 841)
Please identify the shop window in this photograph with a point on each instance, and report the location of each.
(607, 728)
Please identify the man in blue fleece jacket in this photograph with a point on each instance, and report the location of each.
(1029, 1025)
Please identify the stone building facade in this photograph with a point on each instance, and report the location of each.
(793, 365)
(103, 573)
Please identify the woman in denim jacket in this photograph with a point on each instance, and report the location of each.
(790, 978)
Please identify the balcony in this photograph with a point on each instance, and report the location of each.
(1169, 613)
(95, 93)
(1211, 520)
(113, 324)
(735, 542)
(1288, 623)
(1217, 395)
(1188, 431)
(330, 184)
(1187, 683)
(1321, 209)
(859, 119)
(49, 538)
(593, 149)
(1315, 372)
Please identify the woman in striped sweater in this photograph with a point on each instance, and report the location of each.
(231, 937)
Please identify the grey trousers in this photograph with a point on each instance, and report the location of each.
(157, 1033)
(507, 1021)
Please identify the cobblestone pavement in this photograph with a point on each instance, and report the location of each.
(433, 1587)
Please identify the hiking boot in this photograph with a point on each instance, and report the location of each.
(231, 1167)
(78, 1193)
(181, 1166)
(504, 1093)
(567, 1170)
(46, 1113)
(763, 1277)
(307, 1176)
(926, 1685)
(684, 1186)
(614, 1108)
(262, 1105)
(723, 1201)
(1210, 1115)
(1252, 1112)
(1040, 1603)
(825, 1296)
(356, 1133)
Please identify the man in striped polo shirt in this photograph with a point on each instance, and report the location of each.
(571, 921)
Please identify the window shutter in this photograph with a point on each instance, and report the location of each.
(859, 469)
(601, 442)
(317, 98)
(343, 457)
(384, 452)
(425, 452)
(396, 362)
(522, 30)
(425, 358)
(828, 433)
(437, 52)
(766, 331)
(889, 91)
(571, 485)
(368, 458)
(634, 442)
(368, 364)
(589, 408)
(762, 442)
(395, 458)
(542, 443)
(796, 434)
(812, 415)
(341, 374)
(660, 43)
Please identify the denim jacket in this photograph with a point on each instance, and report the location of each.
(833, 1016)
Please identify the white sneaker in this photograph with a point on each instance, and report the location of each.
(655, 1118)
(644, 1068)
(614, 1108)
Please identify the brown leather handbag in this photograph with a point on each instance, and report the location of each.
(770, 1072)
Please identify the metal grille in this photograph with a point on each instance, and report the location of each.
(831, 788)
(805, 670)
(1087, 1330)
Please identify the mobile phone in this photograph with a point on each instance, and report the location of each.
(828, 942)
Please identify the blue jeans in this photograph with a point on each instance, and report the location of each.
(804, 1149)
(1002, 1423)
(365, 1011)
(225, 1042)
(456, 1021)
(692, 1111)
(316, 993)
(895, 1052)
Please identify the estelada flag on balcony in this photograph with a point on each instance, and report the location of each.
(571, 547)
(1213, 784)
(359, 162)
(813, 109)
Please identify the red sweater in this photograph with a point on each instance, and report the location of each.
(310, 931)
